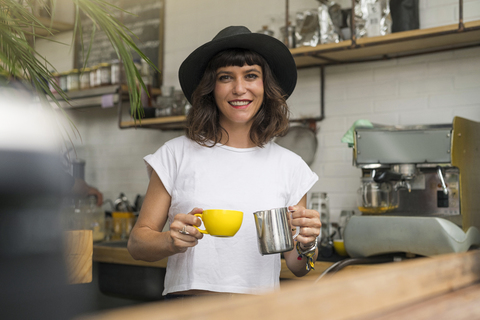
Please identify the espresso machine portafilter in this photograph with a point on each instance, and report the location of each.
(417, 181)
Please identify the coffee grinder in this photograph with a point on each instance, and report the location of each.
(420, 189)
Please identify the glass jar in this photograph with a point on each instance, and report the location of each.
(62, 80)
(79, 220)
(85, 79)
(376, 197)
(104, 77)
(94, 219)
(115, 72)
(122, 224)
(93, 77)
(73, 80)
(56, 80)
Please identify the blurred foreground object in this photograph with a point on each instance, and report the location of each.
(33, 274)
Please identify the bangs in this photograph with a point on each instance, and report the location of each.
(236, 58)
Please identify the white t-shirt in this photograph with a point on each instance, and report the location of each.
(222, 177)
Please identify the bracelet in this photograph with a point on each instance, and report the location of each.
(307, 253)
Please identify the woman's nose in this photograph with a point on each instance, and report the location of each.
(239, 87)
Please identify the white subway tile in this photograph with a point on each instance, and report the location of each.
(428, 116)
(339, 170)
(426, 85)
(332, 139)
(335, 93)
(459, 98)
(471, 10)
(330, 124)
(404, 104)
(372, 90)
(438, 16)
(467, 81)
(440, 3)
(467, 53)
(388, 119)
(471, 112)
(411, 71)
(349, 107)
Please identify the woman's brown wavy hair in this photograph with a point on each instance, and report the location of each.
(271, 120)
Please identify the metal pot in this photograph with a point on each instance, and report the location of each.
(274, 230)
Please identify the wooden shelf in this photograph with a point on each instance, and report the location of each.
(89, 97)
(51, 27)
(164, 123)
(393, 45)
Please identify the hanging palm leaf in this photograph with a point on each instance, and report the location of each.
(18, 58)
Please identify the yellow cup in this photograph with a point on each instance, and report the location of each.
(220, 223)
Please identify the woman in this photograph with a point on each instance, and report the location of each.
(237, 85)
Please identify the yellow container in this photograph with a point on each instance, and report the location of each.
(339, 246)
(122, 224)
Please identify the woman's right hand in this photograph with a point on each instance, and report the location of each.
(182, 233)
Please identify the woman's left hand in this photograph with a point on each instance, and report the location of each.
(309, 223)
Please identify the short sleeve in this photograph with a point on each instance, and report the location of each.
(302, 180)
(164, 164)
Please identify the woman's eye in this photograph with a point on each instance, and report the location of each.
(223, 78)
(252, 76)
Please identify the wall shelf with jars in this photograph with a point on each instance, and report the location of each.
(393, 45)
(368, 31)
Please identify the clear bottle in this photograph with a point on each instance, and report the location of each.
(95, 219)
(325, 219)
(67, 213)
(79, 221)
(315, 205)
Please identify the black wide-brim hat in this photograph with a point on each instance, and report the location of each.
(276, 54)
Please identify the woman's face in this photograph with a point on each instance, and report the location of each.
(238, 93)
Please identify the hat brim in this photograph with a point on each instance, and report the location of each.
(276, 54)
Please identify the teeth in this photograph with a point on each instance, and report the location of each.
(239, 103)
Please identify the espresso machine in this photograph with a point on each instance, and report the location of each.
(419, 191)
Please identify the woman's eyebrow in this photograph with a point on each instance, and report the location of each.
(246, 71)
(252, 70)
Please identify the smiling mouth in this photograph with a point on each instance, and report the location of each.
(239, 104)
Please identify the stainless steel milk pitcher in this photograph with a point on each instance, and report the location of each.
(274, 230)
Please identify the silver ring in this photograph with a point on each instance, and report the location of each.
(184, 230)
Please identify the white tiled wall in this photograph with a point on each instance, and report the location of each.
(417, 90)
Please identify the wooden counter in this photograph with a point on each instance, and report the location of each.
(116, 252)
(441, 287)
